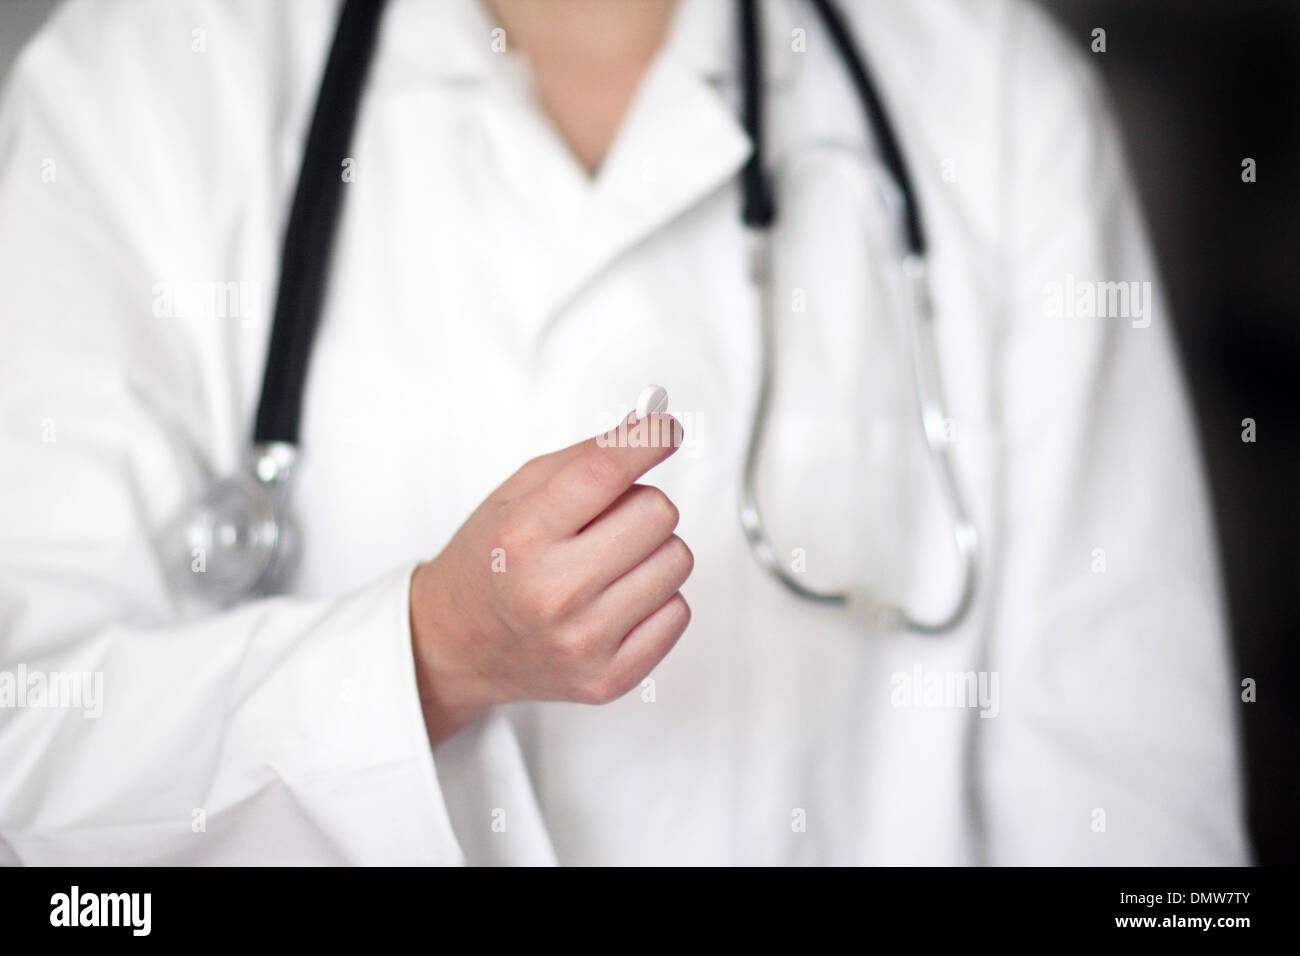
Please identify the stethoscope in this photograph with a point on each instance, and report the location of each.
(240, 539)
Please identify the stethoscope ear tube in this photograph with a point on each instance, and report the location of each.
(308, 239)
(877, 120)
(758, 209)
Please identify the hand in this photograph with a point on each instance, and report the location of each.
(562, 585)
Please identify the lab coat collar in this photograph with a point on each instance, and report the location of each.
(445, 41)
(680, 141)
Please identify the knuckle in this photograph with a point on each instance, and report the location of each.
(569, 655)
(544, 603)
(682, 556)
(602, 470)
(518, 529)
(664, 511)
(657, 509)
(601, 689)
(575, 645)
(681, 612)
(531, 469)
(556, 605)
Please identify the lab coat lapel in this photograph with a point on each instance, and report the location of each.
(678, 144)
(680, 141)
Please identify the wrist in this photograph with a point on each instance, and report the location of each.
(449, 700)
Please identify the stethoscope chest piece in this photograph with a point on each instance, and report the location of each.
(238, 538)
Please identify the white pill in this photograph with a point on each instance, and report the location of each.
(653, 400)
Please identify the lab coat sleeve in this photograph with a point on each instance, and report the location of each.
(284, 731)
(1116, 742)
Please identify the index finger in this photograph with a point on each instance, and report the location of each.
(600, 469)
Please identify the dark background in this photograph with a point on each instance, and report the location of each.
(1199, 85)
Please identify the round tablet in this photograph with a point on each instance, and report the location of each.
(653, 400)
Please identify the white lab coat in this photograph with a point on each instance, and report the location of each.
(488, 302)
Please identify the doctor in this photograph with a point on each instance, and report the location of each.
(487, 663)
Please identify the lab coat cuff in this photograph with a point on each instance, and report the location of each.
(429, 796)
